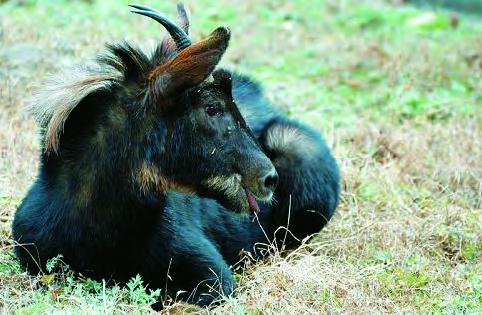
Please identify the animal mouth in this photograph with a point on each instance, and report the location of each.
(253, 204)
(233, 193)
(253, 198)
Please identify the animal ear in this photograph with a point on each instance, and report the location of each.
(191, 66)
(223, 78)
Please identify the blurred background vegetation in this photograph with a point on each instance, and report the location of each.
(395, 86)
(468, 6)
(318, 50)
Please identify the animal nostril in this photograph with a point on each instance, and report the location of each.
(271, 180)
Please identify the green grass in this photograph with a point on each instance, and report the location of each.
(397, 91)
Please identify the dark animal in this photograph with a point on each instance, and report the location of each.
(163, 165)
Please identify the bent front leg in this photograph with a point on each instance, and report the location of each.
(200, 272)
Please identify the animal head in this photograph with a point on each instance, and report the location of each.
(150, 124)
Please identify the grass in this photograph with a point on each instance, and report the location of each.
(397, 90)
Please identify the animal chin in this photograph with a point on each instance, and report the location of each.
(244, 201)
(230, 192)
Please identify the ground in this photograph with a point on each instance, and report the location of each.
(397, 91)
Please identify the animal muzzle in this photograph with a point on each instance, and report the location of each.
(255, 180)
(260, 184)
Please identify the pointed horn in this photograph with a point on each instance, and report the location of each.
(178, 35)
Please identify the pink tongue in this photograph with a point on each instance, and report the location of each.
(253, 205)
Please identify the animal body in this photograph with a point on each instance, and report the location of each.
(167, 167)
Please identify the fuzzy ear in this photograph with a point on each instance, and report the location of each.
(191, 66)
(224, 79)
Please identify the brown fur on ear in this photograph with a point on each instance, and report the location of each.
(191, 66)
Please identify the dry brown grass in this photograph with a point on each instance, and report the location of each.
(422, 186)
(402, 109)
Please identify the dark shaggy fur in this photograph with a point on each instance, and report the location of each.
(120, 185)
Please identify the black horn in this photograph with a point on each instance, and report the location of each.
(178, 34)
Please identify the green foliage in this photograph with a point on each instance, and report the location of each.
(469, 301)
(64, 289)
(383, 256)
(138, 293)
(54, 263)
(460, 244)
(8, 264)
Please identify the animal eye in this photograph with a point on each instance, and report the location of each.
(213, 111)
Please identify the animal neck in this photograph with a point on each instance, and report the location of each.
(104, 192)
(102, 175)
